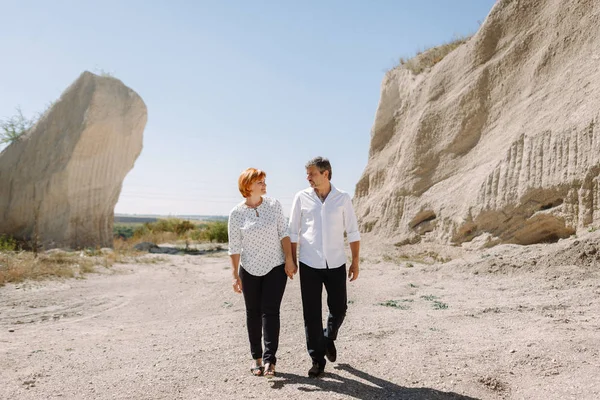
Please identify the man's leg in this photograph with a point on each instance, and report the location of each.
(274, 282)
(335, 285)
(311, 288)
(252, 288)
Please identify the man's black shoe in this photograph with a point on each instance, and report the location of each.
(316, 370)
(330, 350)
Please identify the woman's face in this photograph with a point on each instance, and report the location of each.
(258, 188)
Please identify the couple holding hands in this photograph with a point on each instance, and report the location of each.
(263, 252)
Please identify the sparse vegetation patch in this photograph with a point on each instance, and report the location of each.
(396, 304)
(430, 57)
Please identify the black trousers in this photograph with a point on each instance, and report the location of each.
(312, 281)
(262, 295)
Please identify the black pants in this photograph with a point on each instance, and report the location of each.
(262, 295)
(311, 287)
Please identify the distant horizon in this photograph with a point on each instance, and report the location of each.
(169, 215)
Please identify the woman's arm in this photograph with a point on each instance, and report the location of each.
(282, 230)
(290, 265)
(235, 266)
(235, 245)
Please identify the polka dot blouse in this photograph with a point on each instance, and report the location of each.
(256, 235)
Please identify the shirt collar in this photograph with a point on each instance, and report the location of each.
(312, 192)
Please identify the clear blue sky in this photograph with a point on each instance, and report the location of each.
(228, 84)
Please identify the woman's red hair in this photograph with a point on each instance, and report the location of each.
(247, 178)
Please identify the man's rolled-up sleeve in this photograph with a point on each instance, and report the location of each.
(350, 222)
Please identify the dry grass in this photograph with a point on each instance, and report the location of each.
(17, 267)
(428, 58)
(156, 237)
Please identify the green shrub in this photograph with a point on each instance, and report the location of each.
(163, 225)
(177, 229)
(196, 235)
(182, 227)
(217, 232)
(123, 231)
(8, 243)
(174, 225)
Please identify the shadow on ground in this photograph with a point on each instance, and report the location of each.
(376, 388)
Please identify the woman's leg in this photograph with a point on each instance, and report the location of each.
(273, 287)
(252, 289)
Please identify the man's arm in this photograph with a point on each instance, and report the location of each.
(353, 270)
(294, 250)
(351, 225)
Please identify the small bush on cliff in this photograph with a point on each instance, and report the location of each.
(428, 58)
(11, 129)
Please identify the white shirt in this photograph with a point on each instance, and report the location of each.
(319, 227)
(258, 237)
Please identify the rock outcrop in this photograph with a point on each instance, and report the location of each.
(59, 183)
(499, 140)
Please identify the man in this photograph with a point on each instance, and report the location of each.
(319, 217)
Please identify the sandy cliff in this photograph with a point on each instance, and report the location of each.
(60, 182)
(498, 140)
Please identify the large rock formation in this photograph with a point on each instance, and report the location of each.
(60, 182)
(499, 139)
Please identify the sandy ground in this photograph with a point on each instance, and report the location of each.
(509, 322)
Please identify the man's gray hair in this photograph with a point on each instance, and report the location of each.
(321, 163)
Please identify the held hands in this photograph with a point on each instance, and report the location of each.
(353, 270)
(237, 285)
(290, 268)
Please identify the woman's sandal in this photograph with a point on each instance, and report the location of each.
(269, 370)
(257, 370)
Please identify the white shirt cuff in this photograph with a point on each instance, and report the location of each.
(353, 237)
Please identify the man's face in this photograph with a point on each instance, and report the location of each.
(315, 177)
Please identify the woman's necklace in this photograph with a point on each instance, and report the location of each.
(256, 207)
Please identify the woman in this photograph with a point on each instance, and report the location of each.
(261, 257)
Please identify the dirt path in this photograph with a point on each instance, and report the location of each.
(482, 326)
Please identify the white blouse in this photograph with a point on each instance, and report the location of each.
(256, 234)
